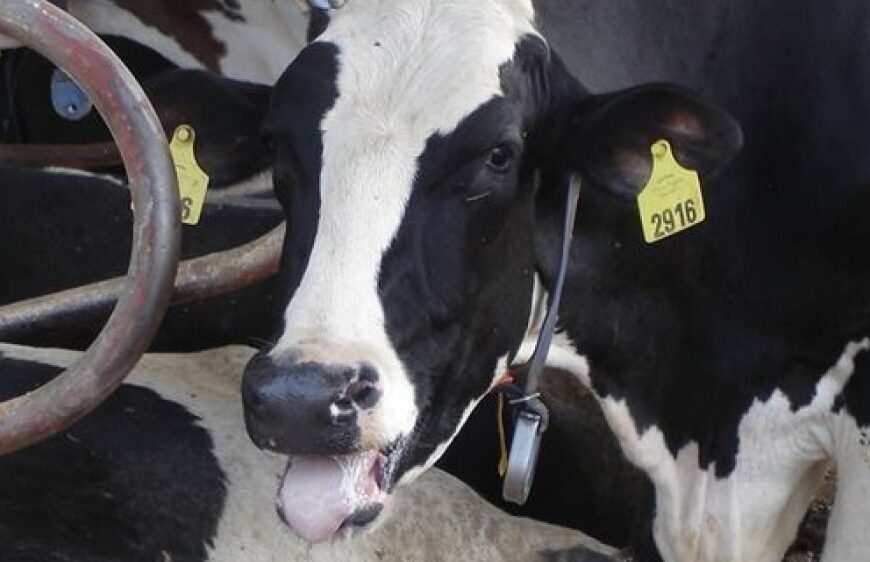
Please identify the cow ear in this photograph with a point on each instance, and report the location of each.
(611, 135)
(227, 115)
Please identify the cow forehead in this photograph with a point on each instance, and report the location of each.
(412, 68)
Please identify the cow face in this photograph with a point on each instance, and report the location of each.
(407, 166)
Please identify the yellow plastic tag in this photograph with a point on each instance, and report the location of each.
(192, 181)
(671, 201)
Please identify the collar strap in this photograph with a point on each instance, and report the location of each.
(532, 417)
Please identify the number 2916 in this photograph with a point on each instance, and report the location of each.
(679, 216)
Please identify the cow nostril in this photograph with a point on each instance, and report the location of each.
(343, 411)
(344, 404)
(364, 394)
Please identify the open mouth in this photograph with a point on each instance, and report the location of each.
(321, 495)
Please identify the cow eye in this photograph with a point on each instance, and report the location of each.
(500, 158)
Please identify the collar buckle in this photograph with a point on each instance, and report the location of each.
(531, 422)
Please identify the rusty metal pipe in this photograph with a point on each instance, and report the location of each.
(92, 156)
(156, 230)
(199, 278)
(231, 270)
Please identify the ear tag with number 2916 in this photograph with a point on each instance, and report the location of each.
(671, 200)
(192, 181)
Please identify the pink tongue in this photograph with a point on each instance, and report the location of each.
(319, 493)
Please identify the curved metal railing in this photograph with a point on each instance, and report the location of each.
(154, 259)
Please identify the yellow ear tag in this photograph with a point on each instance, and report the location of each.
(671, 201)
(192, 181)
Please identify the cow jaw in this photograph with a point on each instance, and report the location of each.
(320, 495)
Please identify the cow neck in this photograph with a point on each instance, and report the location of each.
(532, 415)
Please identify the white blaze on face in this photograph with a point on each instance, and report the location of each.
(408, 69)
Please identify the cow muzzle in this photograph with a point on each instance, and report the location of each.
(315, 413)
(307, 408)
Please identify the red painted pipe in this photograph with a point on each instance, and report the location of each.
(156, 230)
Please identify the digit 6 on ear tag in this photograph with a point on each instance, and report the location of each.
(192, 180)
(526, 444)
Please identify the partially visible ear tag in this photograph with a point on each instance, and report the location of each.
(671, 201)
(192, 181)
(68, 100)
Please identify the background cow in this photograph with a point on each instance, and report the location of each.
(163, 471)
(198, 66)
(423, 152)
(249, 40)
(62, 230)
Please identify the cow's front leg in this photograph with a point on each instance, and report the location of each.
(848, 535)
(751, 513)
(847, 439)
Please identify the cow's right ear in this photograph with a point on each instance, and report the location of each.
(610, 136)
(227, 115)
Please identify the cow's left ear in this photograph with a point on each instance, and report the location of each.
(610, 136)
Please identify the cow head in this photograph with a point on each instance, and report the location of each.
(413, 139)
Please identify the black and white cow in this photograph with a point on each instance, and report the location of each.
(60, 229)
(423, 153)
(582, 479)
(198, 65)
(249, 40)
(163, 471)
